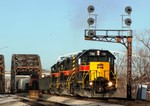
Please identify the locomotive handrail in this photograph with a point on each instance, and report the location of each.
(84, 78)
(69, 79)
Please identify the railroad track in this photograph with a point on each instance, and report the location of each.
(112, 100)
(40, 102)
(53, 100)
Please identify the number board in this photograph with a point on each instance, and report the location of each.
(92, 53)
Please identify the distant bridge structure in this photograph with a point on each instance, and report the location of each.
(24, 64)
(2, 74)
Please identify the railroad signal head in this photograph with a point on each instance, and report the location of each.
(128, 21)
(90, 21)
(91, 33)
(128, 9)
(91, 9)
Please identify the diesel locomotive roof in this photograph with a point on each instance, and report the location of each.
(86, 52)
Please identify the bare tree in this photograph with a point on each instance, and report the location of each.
(144, 38)
(121, 71)
(141, 62)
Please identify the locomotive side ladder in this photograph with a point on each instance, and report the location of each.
(72, 76)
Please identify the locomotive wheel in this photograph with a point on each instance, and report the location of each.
(80, 91)
(91, 93)
(45, 92)
(71, 89)
(60, 89)
(112, 93)
(68, 91)
(52, 91)
(42, 91)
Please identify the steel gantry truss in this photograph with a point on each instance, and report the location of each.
(116, 36)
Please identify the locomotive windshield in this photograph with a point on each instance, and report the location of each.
(97, 58)
(53, 69)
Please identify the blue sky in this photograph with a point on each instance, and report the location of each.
(52, 28)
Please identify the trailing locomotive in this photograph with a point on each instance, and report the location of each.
(88, 73)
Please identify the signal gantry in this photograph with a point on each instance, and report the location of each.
(115, 36)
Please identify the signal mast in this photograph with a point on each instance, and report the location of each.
(115, 36)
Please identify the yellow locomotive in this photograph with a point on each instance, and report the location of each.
(87, 73)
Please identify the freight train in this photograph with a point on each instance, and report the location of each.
(87, 73)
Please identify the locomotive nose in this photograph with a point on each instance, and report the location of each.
(99, 69)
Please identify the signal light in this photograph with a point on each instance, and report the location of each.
(90, 21)
(128, 21)
(128, 9)
(91, 9)
(91, 33)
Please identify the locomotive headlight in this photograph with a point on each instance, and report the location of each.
(90, 83)
(110, 84)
